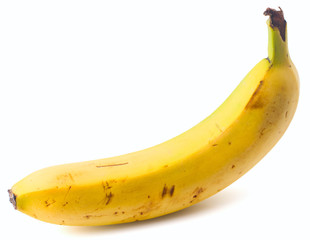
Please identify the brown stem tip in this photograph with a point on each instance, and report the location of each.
(12, 198)
(277, 20)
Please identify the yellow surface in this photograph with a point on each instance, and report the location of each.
(177, 173)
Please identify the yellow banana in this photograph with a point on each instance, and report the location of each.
(179, 172)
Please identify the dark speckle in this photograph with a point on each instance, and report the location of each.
(233, 166)
(262, 132)
(109, 197)
(92, 216)
(68, 191)
(49, 203)
(172, 191)
(197, 192)
(214, 145)
(164, 192)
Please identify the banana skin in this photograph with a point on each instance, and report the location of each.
(179, 172)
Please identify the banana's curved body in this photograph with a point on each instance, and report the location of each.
(182, 171)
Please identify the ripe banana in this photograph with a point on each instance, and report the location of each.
(179, 172)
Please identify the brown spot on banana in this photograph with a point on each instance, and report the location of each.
(109, 197)
(256, 102)
(172, 190)
(165, 191)
(261, 133)
(67, 192)
(196, 193)
(49, 202)
(105, 185)
(198, 190)
(92, 216)
(148, 207)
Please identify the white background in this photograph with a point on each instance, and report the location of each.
(82, 80)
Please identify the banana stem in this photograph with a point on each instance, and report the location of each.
(277, 37)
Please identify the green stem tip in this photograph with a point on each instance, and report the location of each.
(277, 37)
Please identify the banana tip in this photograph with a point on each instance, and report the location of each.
(277, 20)
(12, 198)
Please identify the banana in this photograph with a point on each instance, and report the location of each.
(179, 172)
